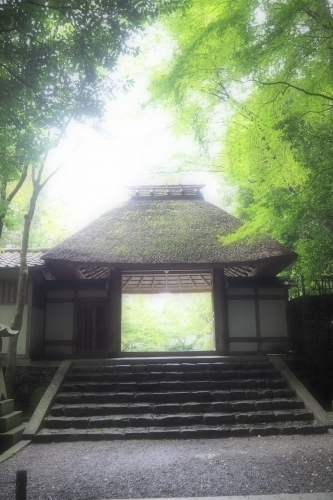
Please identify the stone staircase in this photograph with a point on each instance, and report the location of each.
(175, 398)
(11, 425)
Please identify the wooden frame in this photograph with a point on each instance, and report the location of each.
(220, 298)
(256, 297)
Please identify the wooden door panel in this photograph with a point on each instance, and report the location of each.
(92, 327)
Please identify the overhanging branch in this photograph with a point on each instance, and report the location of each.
(19, 184)
(21, 80)
(300, 89)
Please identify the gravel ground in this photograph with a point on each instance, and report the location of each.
(173, 468)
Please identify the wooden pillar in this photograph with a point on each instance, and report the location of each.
(3, 393)
(115, 290)
(220, 312)
(21, 485)
(36, 315)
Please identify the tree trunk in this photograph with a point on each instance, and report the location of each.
(3, 392)
(21, 293)
(3, 200)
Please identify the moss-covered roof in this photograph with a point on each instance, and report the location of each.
(164, 231)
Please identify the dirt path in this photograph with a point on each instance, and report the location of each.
(139, 469)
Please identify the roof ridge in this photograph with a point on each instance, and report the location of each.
(166, 191)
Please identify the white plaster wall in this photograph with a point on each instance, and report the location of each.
(241, 316)
(6, 318)
(273, 319)
(59, 321)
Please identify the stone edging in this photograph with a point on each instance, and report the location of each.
(14, 449)
(282, 496)
(294, 383)
(46, 401)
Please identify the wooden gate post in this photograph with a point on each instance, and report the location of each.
(115, 291)
(21, 485)
(220, 312)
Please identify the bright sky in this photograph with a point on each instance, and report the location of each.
(136, 143)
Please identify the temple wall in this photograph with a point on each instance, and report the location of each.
(59, 322)
(252, 314)
(37, 331)
(61, 311)
(242, 318)
(257, 318)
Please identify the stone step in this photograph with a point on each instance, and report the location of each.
(136, 367)
(179, 419)
(6, 406)
(176, 385)
(11, 420)
(181, 432)
(79, 410)
(203, 398)
(171, 376)
(172, 397)
(11, 437)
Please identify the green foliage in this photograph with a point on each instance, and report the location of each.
(45, 229)
(282, 164)
(262, 73)
(182, 322)
(56, 64)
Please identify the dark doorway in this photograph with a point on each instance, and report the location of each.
(92, 327)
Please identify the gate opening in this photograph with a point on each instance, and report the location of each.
(167, 311)
(167, 322)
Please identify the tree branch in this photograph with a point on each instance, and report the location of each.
(315, 16)
(19, 184)
(8, 30)
(315, 112)
(41, 169)
(61, 165)
(21, 80)
(300, 89)
(48, 6)
(33, 174)
(36, 180)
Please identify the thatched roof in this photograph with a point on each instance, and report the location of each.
(176, 231)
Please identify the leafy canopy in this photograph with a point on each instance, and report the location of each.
(57, 63)
(256, 76)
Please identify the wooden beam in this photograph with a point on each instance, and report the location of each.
(220, 312)
(115, 291)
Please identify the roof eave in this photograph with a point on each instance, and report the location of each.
(269, 266)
